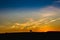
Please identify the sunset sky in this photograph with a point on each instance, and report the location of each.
(25, 15)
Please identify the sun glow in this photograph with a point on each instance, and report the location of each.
(40, 25)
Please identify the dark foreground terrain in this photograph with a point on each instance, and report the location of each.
(30, 36)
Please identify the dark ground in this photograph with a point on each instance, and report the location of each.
(31, 36)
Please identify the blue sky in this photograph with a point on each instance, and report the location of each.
(24, 3)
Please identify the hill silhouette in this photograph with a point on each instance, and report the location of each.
(31, 35)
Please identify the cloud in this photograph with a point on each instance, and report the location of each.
(44, 15)
(49, 11)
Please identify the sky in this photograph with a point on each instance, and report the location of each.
(25, 15)
(24, 3)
